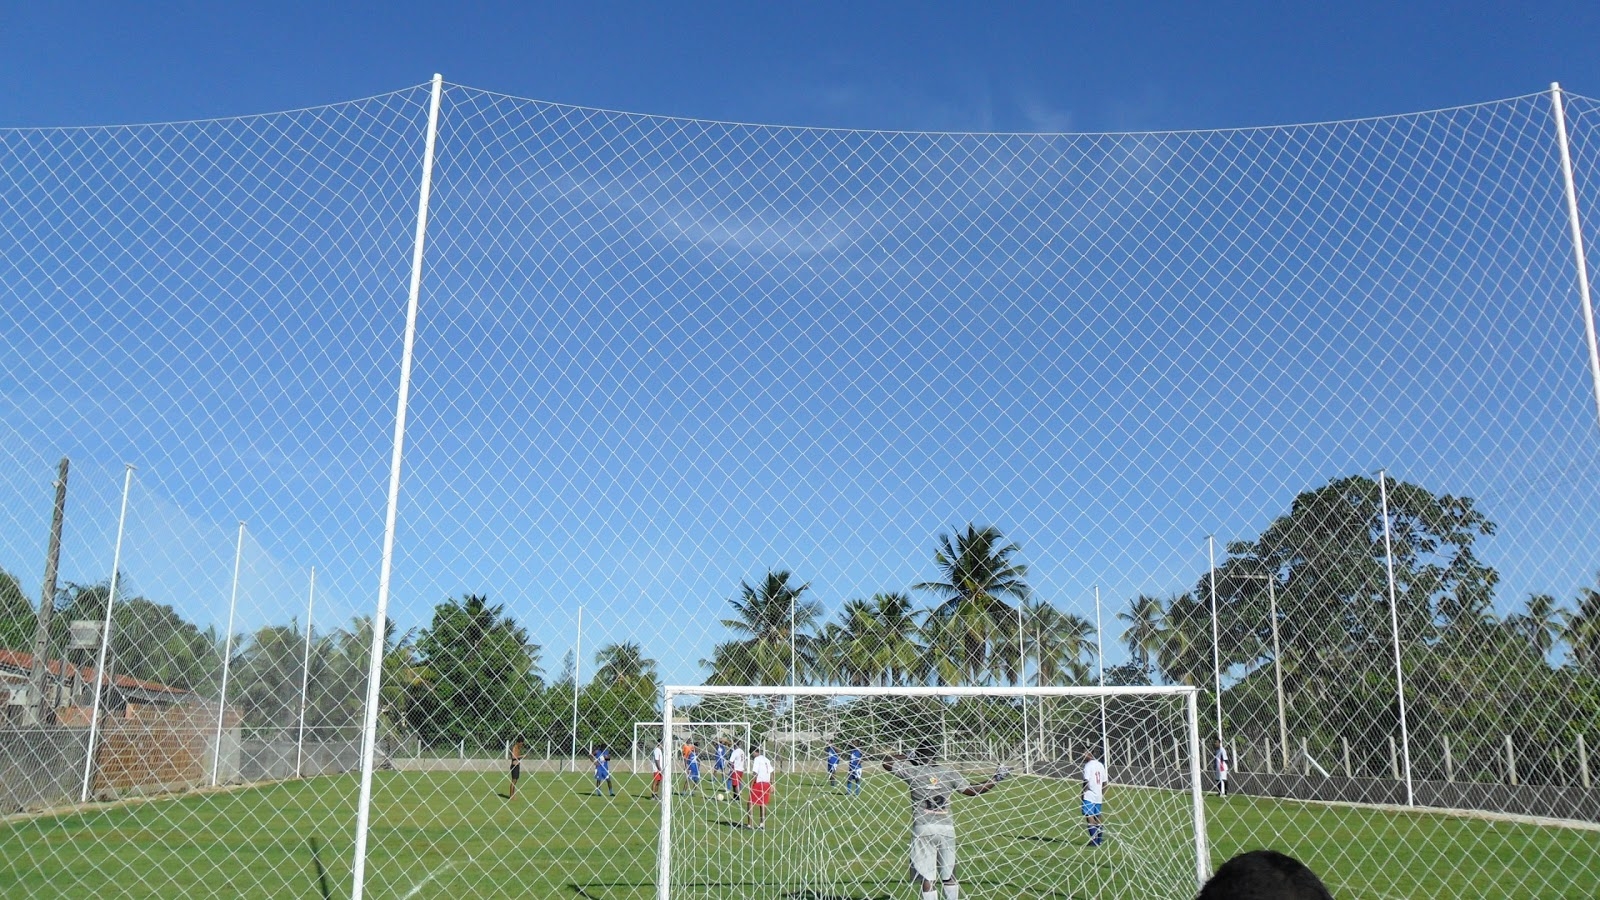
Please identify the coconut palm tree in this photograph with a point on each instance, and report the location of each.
(1581, 630)
(1539, 624)
(898, 650)
(1062, 643)
(766, 615)
(625, 666)
(1184, 654)
(962, 630)
(1143, 634)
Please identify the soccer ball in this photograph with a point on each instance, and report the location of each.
(721, 795)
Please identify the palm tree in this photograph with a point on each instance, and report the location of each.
(1143, 634)
(767, 615)
(1581, 629)
(1539, 624)
(625, 666)
(977, 570)
(1063, 645)
(1184, 644)
(898, 650)
(850, 650)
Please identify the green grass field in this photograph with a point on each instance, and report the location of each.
(454, 836)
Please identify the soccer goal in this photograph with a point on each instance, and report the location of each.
(1019, 833)
(702, 734)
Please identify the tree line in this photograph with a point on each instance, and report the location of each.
(473, 674)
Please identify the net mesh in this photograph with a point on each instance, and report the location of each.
(854, 780)
(743, 405)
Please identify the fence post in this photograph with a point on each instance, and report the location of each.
(1348, 772)
(1583, 763)
(1394, 760)
(1449, 763)
(1305, 756)
(1511, 762)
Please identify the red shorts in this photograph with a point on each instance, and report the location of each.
(656, 779)
(760, 793)
(737, 777)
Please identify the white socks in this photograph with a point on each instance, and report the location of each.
(930, 895)
(952, 892)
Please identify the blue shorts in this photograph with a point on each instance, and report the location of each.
(1091, 809)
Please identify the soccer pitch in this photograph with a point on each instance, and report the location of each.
(452, 835)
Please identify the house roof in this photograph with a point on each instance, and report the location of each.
(15, 662)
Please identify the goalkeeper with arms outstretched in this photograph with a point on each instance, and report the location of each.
(933, 831)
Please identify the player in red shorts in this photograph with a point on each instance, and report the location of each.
(736, 777)
(760, 789)
(655, 777)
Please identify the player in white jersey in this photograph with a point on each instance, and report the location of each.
(655, 773)
(1094, 786)
(760, 789)
(1220, 760)
(736, 760)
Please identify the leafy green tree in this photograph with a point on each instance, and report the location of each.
(149, 641)
(476, 673)
(267, 673)
(976, 570)
(17, 615)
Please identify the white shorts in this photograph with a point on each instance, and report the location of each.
(933, 856)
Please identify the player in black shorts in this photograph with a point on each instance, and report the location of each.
(516, 766)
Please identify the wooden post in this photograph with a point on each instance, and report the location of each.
(47, 601)
(1511, 762)
(1583, 763)
(1449, 762)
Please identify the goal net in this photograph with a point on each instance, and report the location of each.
(850, 769)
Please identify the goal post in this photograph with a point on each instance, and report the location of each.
(1021, 834)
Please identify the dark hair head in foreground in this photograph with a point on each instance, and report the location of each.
(1264, 875)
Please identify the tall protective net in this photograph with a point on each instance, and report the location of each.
(1302, 417)
(855, 777)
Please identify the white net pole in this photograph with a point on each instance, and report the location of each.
(105, 643)
(369, 730)
(664, 845)
(1580, 264)
(227, 660)
(1202, 852)
(1394, 630)
(305, 680)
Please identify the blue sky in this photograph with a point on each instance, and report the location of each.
(921, 66)
(644, 436)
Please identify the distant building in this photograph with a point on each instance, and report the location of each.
(71, 690)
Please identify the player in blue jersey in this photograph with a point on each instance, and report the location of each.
(602, 771)
(833, 766)
(691, 764)
(852, 781)
(719, 764)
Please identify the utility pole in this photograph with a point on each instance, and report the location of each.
(47, 600)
